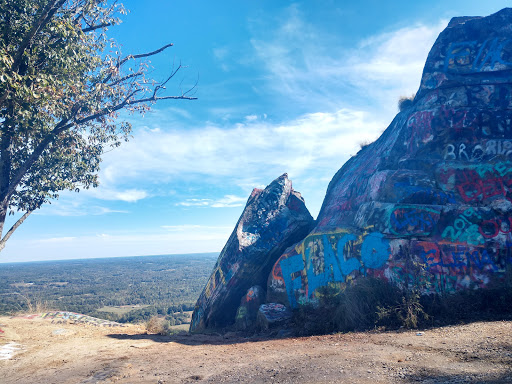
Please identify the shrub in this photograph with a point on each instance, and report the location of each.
(405, 102)
(355, 308)
(365, 143)
(407, 313)
(158, 325)
(370, 302)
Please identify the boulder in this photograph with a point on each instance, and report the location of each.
(248, 310)
(273, 219)
(272, 315)
(427, 205)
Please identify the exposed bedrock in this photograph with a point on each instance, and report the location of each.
(273, 219)
(428, 205)
(434, 190)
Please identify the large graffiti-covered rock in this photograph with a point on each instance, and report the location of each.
(273, 219)
(434, 191)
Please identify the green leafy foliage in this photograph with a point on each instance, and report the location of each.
(62, 84)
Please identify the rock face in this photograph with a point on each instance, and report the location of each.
(247, 312)
(427, 206)
(273, 219)
(429, 203)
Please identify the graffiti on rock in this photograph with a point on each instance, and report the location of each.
(492, 228)
(476, 153)
(449, 267)
(274, 312)
(494, 123)
(490, 95)
(464, 230)
(472, 56)
(327, 258)
(413, 220)
(463, 152)
(424, 195)
(476, 183)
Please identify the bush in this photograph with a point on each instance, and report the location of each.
(405, 102)
(355, 308)
(365, 143)
(370, 302)
(158, 325)
(407, 313)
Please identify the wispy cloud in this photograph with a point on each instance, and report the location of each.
(165, 240)
(312, 142)
(228, 201)
(220, 54)
(195, 203)
(391, 64)
(297, 59)
(303, 65)
(185, 228)
(130, 195)
(71, 204)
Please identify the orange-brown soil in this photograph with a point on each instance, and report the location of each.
(79, 353)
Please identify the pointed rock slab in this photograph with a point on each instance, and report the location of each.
(433, 191)
(273, 219)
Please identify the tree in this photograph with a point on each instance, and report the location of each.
(62, 85)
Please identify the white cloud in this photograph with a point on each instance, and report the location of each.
(391, 64)
(73, 204)
(185, 228)
(299, 61)
(310, 143)
(195, 203)
(305, 65)
(228, 201)
(220, 53)
(157, 241)
(131, 195)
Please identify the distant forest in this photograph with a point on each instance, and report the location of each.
(127, 289)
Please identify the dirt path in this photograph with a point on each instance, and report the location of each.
(78, 353)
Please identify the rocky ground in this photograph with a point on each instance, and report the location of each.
(44, 352)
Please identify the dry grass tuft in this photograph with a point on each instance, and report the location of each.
(158, 325)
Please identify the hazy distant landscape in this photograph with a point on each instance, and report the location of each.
(124, 289)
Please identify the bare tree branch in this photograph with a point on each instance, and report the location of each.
(13, 228)
(127, 77)
(130, 57)
(94, 27)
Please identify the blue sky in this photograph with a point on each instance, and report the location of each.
(284, 86)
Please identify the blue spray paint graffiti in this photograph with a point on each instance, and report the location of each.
(463, 54)
(305, 273)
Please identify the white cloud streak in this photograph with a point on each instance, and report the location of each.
(310, 142)
(228, 201)
(304, 65)
(298, 61)
(166, 240)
